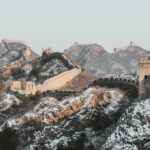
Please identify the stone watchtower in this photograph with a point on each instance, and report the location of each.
(144, 73)
(47, 51)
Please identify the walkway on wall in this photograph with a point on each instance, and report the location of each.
(130, 87)
(58, 81)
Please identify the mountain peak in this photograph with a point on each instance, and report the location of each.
(86, 48)
(132, 47)
(15, 50)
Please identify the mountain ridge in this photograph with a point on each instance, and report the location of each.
(96, 59)
(15, 50)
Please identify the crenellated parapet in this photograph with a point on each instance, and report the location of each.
(73, 63)
(27, 87)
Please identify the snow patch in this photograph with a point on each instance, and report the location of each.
(7, 101)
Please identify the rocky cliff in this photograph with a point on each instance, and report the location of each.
(95, 119)
(14, 50)
(49, 113)
(91, 120)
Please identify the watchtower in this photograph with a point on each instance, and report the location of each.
(144, 72)
(47, 50)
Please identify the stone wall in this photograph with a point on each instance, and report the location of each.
(16, 85)
(58, 81)
(71, 61)
(27, 87)
(50, 84)
(53, 83)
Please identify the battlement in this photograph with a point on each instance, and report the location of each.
(28, 87)
(74, 64)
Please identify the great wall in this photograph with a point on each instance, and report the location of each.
(53, 83)
(132, 88)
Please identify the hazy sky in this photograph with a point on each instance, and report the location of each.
(60, 23)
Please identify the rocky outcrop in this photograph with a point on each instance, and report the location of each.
(133, 130)
(50, 110)
(96, 119)
(14, 50)
(82, 130)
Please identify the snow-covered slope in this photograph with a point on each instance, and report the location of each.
(8, 101)
(52, 124)
(50, 110)
(133, 129)
(97, 119)
(96, 59)
(130, 57)
(93, 57)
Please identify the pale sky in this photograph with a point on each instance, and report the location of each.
(60, 23)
